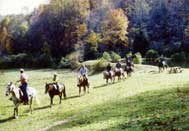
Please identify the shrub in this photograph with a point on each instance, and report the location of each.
(178, 57)
(67, 63)
(151, 54)
(106, 56)
(99, 66)
(16, 61)
(44, 61)
(128, 54)
(115, 57)
(138, 58)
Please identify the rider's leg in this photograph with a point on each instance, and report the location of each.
(24, 89)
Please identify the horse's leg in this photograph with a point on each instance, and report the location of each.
(113, 78)
(60, 97)
(84, 88)
(31, 104)
(106, 81)
(64, 92)
(88, 87)
(51, 101)
(16, 110)
(79, 90)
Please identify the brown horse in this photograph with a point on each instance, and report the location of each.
(83, 82)
(109, 75)
(51, 88)
(119, 73)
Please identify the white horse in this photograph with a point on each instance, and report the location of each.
(17, 98)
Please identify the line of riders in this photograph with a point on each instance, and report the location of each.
(82, 76)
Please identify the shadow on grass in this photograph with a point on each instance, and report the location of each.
(105, 85)
(72, 97)
(100, 86)
(155, 110)
(6, 119)
(42, 108)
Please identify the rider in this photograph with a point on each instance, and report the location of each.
(55, 81)
(118, 65)
(109, 68)
(24, 84)
(83, 72)
(129, 63)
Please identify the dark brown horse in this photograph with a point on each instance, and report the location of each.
(119, 73)
(83, 82)
(53, 90)
(109, 75)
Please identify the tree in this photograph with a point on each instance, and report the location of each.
(91, 46)
(114, 28)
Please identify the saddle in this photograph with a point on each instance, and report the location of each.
(56, 86)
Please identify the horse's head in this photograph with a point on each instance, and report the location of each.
(9, 88)
(48, 87)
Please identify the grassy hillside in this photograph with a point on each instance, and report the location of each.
(148, 100)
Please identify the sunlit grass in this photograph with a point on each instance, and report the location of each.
(107, 107)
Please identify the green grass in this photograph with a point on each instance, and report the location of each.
(146, 101)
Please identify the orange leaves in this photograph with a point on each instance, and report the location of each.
(115, 27)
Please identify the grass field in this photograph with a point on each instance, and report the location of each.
(146, 101)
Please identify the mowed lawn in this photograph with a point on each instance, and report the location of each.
(146, 101)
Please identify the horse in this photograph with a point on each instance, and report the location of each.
(17, 96)
(53, 90)
(109, 75)
(83, 82)
(162, 65)
(128, 70)
(119, 73)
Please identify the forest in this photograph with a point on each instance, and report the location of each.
(81, 30)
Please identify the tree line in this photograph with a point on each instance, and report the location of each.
(85, 29)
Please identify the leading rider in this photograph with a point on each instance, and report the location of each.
(24, 85)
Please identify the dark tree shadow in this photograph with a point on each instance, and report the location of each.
(6, 119)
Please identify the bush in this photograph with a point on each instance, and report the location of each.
(43, 61)
(16, 61)
(106, 56)
(67, 63)
(151, 54)
(138, 58)
(99, 66)
(128, 54)
(115, 57)
(178, 57)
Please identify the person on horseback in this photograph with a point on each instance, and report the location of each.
(109, 68)
(129, 64)
(55, 81)
(118, 65)
(24, 84)
(83, 72)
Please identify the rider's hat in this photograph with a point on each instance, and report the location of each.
(21, 70)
